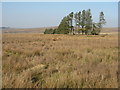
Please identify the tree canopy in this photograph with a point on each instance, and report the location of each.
(79, 23)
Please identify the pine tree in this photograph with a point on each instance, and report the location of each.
(76, 21)
(88, 22)
(101, 19)
(79, 21)
(71, 21)
(83, 21)
(100, 24)
(63, 28)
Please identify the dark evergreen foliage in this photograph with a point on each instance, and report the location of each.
(83, 24)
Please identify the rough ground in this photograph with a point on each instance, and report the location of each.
(57, 61)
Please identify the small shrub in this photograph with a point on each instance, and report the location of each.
(50, 31)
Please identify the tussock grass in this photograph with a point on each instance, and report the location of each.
(59, 61)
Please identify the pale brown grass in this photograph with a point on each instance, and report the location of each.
(59, 61)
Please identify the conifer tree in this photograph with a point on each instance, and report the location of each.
(71, 22)
(63, 28)
(88, 22)
(79, 21)
(83, 21)
(101, 19)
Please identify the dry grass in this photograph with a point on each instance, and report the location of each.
(59, 61)
(42, 29)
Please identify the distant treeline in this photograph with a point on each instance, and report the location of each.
(79, 23)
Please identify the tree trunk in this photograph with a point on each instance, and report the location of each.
(82, 30)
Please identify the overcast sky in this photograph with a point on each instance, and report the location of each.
(45, 14)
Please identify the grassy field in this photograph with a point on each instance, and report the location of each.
(59, 61)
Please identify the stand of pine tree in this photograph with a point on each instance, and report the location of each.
(83, 24)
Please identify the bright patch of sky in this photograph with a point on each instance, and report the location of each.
(46, 14)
